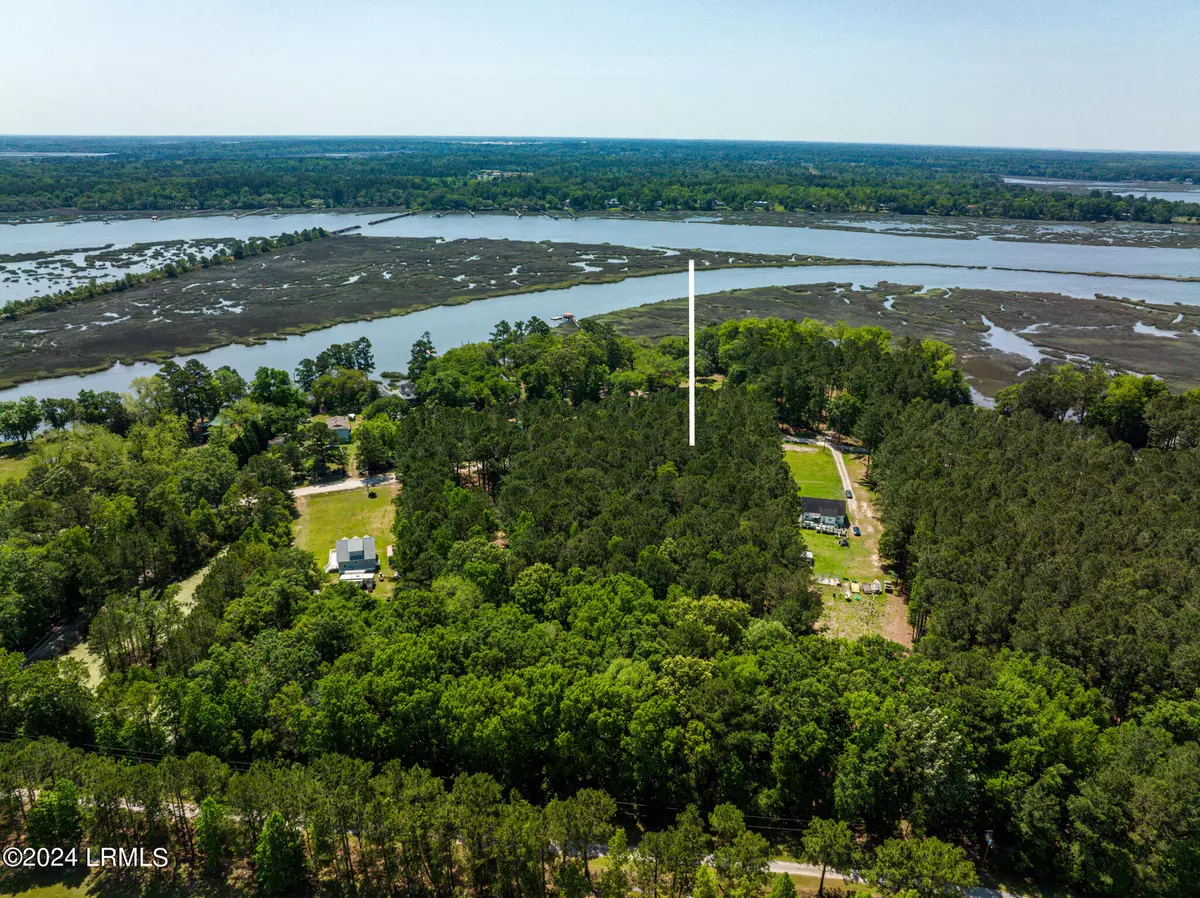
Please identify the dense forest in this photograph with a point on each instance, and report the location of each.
(583, 175)
(603, 639)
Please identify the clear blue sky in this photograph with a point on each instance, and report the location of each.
(1111, 74)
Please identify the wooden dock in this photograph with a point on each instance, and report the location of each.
(389, 218)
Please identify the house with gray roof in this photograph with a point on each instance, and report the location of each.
(354, 560)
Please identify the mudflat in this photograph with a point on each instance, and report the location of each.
(1134, 336)
(315, 285)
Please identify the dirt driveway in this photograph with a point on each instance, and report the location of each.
(864, 513)
(349, 483)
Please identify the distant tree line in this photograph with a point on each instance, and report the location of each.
(586, 176)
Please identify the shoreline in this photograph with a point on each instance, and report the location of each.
(931, 227)
(160, 356)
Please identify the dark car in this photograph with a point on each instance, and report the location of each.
(849, 495)
(857, 532)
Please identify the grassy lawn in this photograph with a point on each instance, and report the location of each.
(326, 518)
(33, 882)
(830, 559)
(15, 460)
(815, 473)
(807, 885)
(861, 615)
(853, 619)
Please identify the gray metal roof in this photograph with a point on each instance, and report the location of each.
(354, 544)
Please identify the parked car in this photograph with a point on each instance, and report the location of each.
(857, 532)
(849, 495)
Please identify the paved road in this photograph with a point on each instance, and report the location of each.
(57, 641)
(832, 876)
(349, 483)
(809, 870)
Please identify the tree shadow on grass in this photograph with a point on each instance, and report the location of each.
(182, 882)
(118, 883)
(17, 880)
(14, 451)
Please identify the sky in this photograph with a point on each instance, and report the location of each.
(1086, 74)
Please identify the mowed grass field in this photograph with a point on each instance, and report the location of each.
(816, 475)
(814, 471)
(327, 517)
(831, 560)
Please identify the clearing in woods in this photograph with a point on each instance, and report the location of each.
(185, 599)
(15, 460)
(822, 473)
(327, 517)
(814, 471)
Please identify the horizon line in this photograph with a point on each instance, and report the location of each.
(585, 138)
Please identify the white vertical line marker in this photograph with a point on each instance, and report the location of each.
(691, 352)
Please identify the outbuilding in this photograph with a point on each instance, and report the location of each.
(340, 425)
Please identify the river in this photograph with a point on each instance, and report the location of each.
(1164, 190)
(454, 325)
(44, 237)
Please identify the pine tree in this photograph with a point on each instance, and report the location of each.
(279, 857)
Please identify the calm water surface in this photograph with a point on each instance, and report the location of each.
(1120, 188)
(674, 234)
